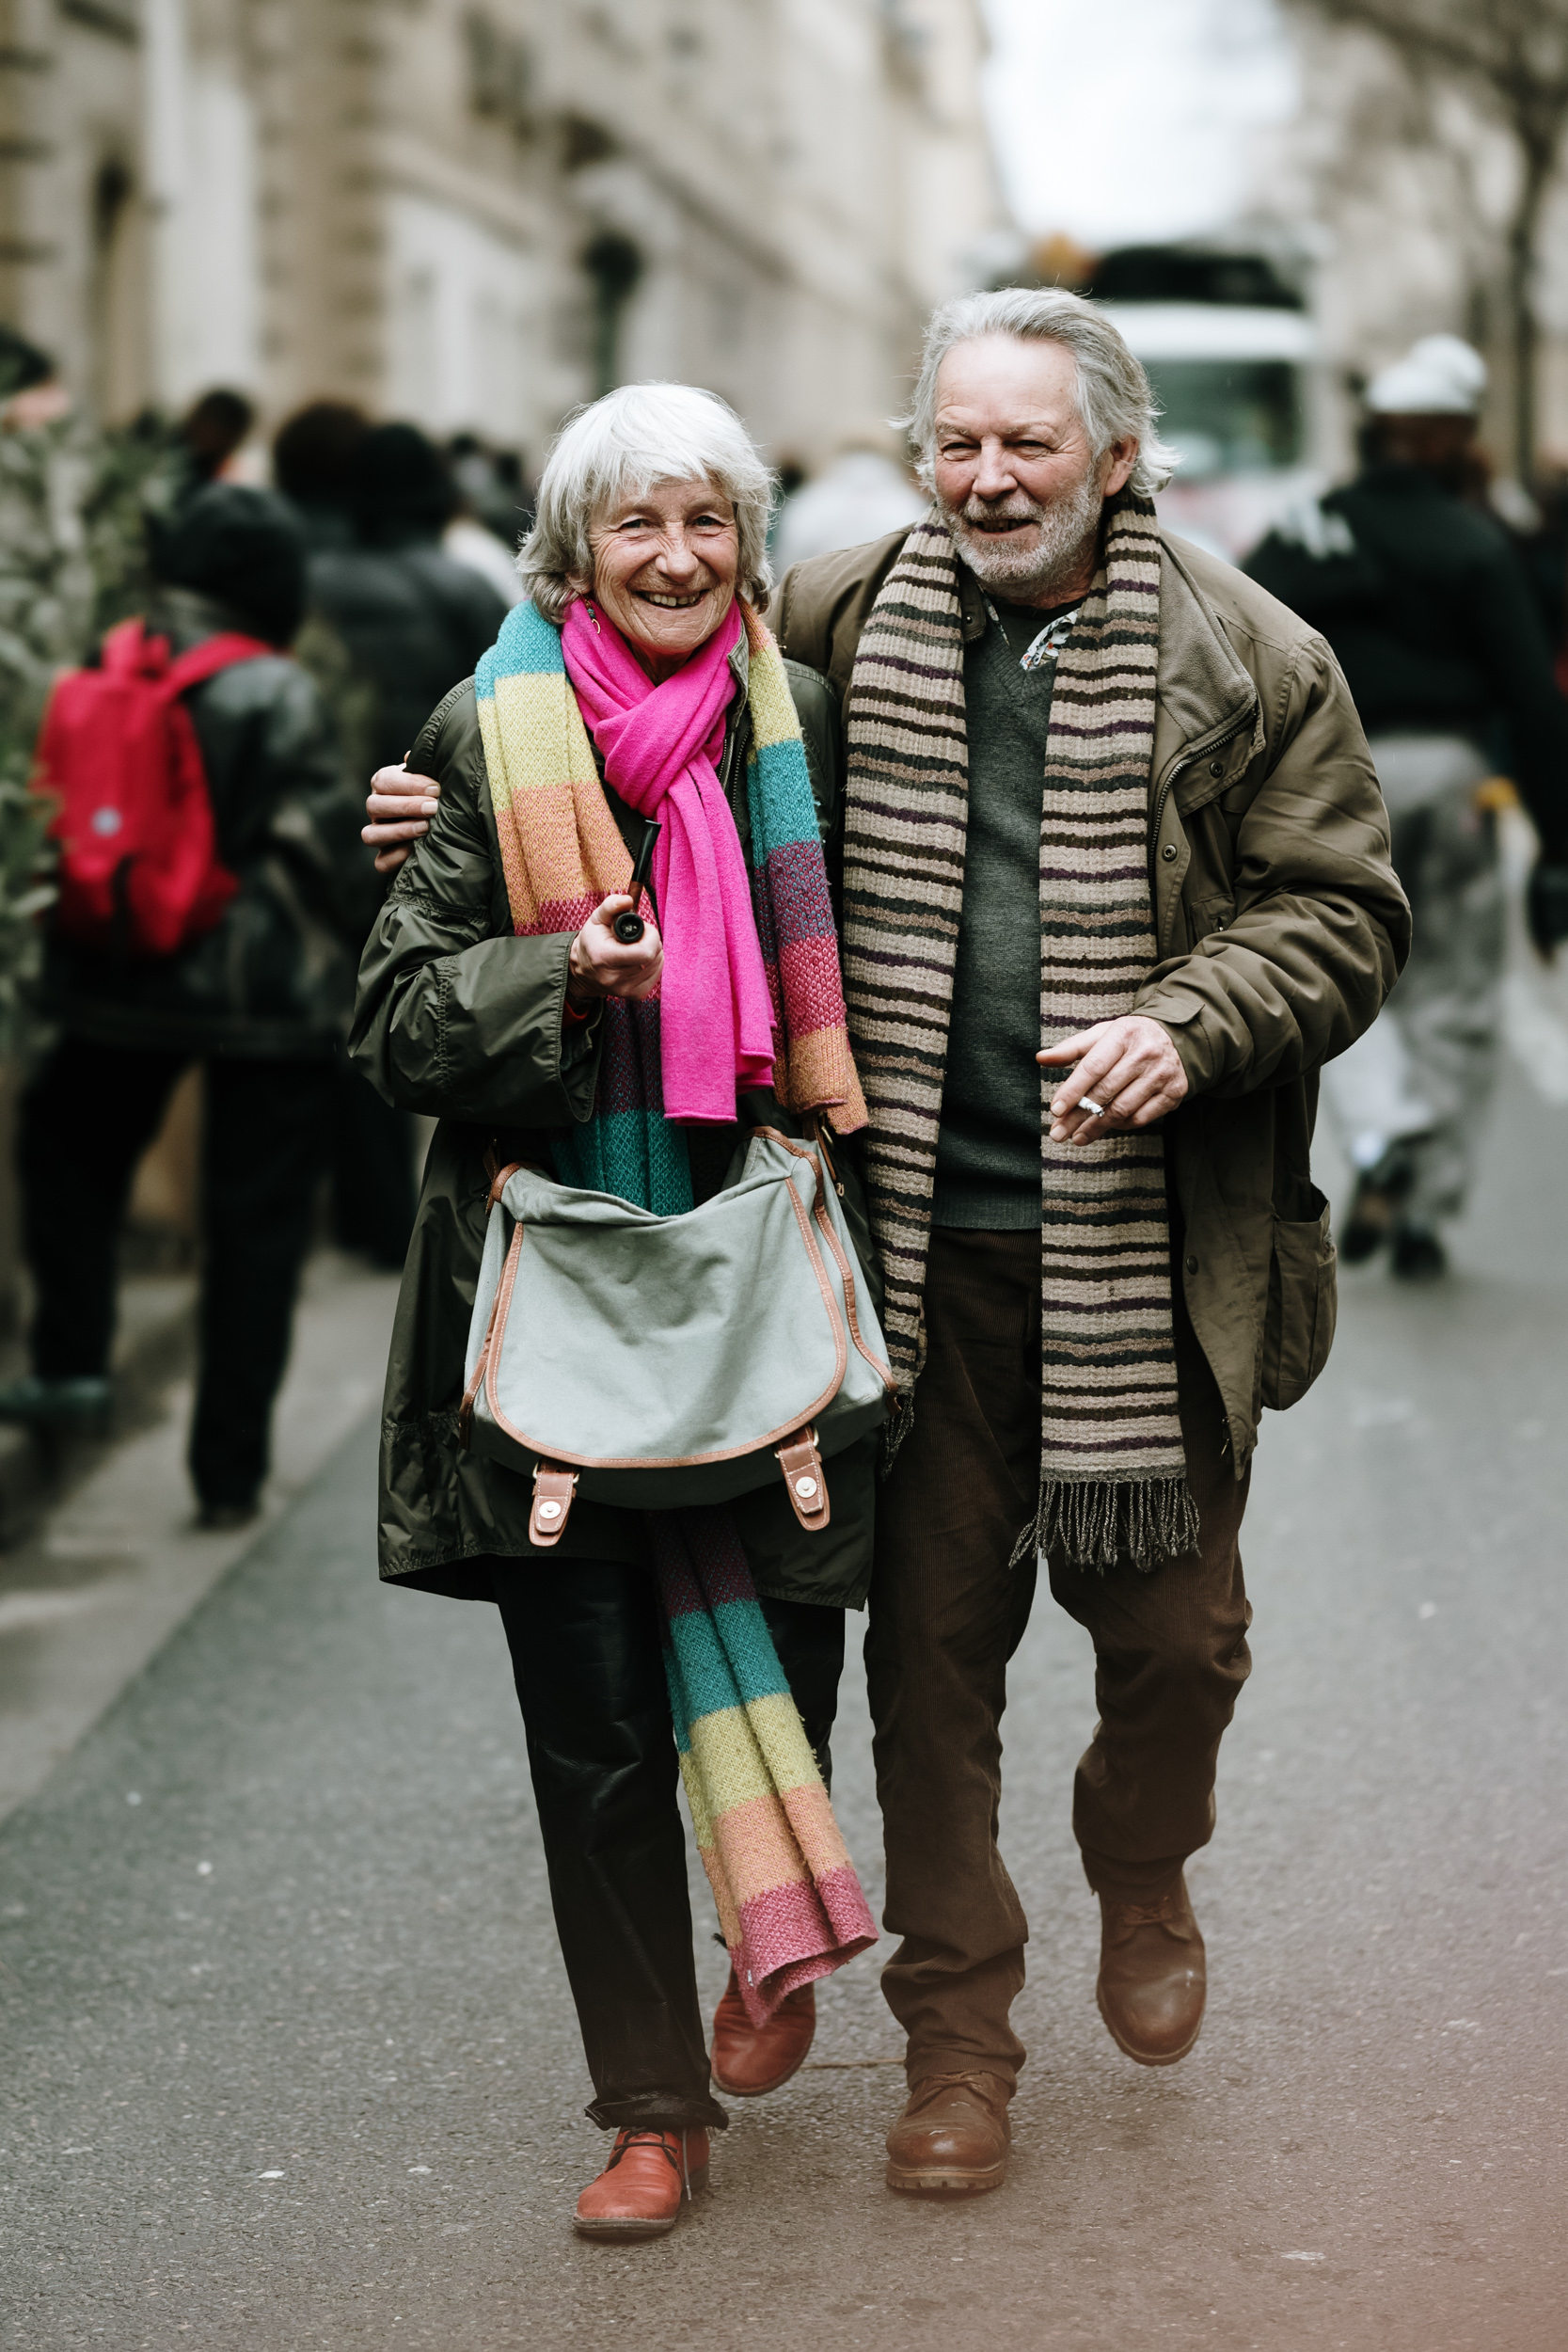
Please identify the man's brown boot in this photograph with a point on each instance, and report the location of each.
(1152, 1975)
(951, 2138)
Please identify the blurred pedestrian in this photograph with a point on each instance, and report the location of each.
(1109, 811)
(414, 619)
(863, 494)
(372, 1146)
(636, 682)
(487, 528)
(212, 432)
(260, 997)
(411, 622)
(312, 465)
(1426, 604)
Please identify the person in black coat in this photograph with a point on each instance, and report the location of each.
(408, 622)
(1423, 596)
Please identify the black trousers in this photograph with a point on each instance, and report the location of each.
(86, 1120)
(586, 1651)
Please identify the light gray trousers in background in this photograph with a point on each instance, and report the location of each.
(1425, 1068)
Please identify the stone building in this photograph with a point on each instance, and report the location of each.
(476, 212)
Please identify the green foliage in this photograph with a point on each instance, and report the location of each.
(73, 509)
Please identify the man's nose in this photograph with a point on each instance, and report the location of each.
(993, 476)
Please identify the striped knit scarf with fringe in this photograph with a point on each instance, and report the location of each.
(789, 1904)
(1113, 1483)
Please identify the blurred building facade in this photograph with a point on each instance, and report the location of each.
(475, 213)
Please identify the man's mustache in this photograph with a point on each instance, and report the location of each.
(1010, 510)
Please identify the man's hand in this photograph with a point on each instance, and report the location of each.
(1129, 1067)
(399, 805)
(600, 965)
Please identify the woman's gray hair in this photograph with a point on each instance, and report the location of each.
(1116, 399)
(620, 447)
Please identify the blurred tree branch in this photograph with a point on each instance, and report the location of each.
(1513, 56)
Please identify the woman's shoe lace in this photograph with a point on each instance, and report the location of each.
(632, 2137)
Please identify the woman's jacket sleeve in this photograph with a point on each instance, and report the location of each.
(455, 1017)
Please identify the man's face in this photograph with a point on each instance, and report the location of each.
(1016, 478)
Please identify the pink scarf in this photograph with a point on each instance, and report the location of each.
(661, 745)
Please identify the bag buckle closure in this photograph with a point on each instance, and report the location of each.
(553, 1491)
(805, 1481)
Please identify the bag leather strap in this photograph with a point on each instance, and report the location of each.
(806, 1481)
(553, 1491)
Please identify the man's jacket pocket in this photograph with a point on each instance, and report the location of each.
(1298, 1330)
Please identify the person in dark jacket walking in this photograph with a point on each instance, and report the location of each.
(261, 1000)
(1428, 608)
(411, 622)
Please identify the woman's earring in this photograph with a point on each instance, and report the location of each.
(588, 603)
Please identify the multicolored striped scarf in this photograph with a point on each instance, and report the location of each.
(1113, 1481)
(789, 1904)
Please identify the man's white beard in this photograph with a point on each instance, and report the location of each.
(1025, 566)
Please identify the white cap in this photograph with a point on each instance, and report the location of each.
(1439, 376)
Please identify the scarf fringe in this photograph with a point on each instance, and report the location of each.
(1097, 1523)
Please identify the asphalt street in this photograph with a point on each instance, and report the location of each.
(288, 2060)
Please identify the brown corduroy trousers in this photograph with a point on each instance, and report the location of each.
(948, 1614)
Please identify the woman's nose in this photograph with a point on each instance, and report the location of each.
(677, 559)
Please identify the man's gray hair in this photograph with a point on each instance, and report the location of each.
(1115, 400)
(622, 446)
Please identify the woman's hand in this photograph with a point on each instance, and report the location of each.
(601, 965)
(1128, 1069)
(399, 805)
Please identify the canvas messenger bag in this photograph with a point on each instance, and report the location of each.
(659, 1361)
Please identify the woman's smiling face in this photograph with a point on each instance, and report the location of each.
(664, 567)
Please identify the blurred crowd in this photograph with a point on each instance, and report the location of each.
(362, 570)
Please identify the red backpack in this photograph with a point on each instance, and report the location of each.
(138, 867)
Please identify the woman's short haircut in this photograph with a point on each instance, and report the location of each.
(624, 446)
(1116, 399)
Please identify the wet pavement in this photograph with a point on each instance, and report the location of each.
(288, 2060)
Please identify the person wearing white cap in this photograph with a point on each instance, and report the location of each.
(1424, 601)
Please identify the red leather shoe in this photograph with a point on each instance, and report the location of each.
(751, 2060)
(639, 2192)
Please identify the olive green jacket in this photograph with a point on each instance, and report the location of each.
(1279, 923)
(459, 1019)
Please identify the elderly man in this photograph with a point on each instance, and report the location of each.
(1109, 811)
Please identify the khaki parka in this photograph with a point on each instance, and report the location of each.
(1280, 926)
(459, 1019)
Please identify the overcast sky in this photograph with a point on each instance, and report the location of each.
(1130, 121)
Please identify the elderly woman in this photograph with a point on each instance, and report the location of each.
(496, 995)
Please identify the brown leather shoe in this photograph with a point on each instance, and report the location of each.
(750, 2059)
(1152, 1975)
(641, 2190)
(951, 2138)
